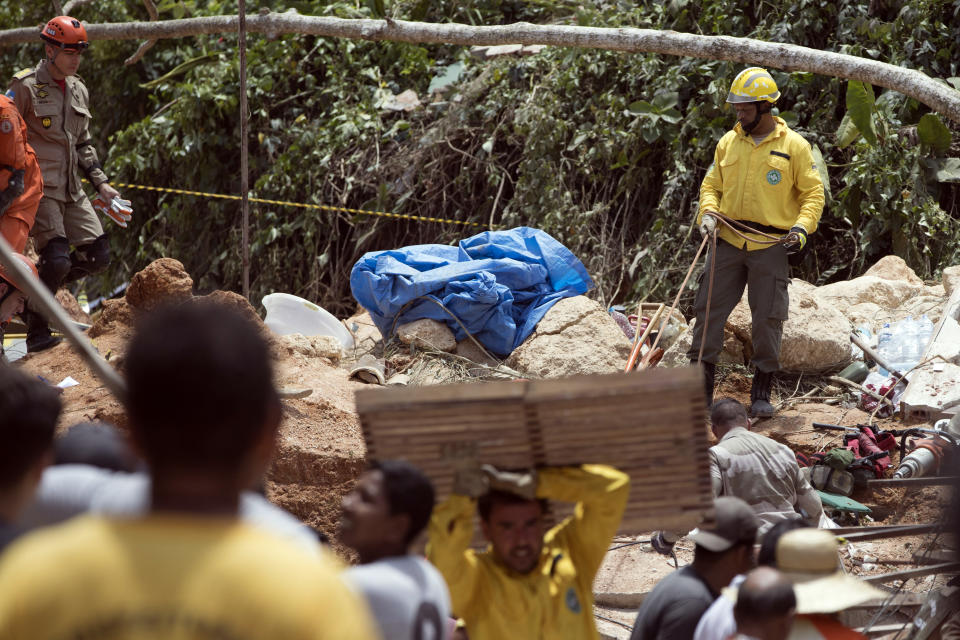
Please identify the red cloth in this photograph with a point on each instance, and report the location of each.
(869, 442)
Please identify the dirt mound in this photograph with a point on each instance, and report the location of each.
(320, 449)
(163, 281)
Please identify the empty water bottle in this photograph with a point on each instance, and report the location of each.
(885, 348)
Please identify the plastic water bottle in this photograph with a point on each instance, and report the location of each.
(924, 333)
(884, 347)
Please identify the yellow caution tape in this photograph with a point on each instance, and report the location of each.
(287, 203)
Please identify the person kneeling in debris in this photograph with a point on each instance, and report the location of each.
(382, 516)
(528, 583)
(758, 470)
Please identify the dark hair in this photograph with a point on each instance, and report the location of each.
(29, 410)
(200, 386)
(486, 502)
(97, 444)
(772, 601)
(409, 492)
(767, 556)
(727, 411)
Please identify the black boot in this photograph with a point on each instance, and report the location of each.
(760, 406)
(709, 377)
(39, 337)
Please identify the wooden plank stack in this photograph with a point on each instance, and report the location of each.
(650, 424)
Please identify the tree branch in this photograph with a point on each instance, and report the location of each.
(73, 4)
(144, 46)
(937, 95)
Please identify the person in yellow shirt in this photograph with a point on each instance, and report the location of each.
(763, 176)
(204, 413)
(529, 583)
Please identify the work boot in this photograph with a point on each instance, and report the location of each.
(39, 337)
(709, 377)
(760, 406)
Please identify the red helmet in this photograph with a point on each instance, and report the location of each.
(66, 33)
(27, 262)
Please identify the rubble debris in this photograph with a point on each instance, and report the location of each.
(314, 346)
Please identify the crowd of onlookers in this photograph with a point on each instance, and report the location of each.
(160, 531)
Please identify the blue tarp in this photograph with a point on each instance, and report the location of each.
(498, 283)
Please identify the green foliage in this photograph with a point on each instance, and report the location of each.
(604, 150)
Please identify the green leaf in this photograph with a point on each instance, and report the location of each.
(847, 132)
(640, 107)
(933, 132)
(450, 75)
(377, 10)
(944, 169)
(671, 115)
(822, 170)
(860, 103)
(665, 100)
(181, 69)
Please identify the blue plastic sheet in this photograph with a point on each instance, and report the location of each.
(499, 284)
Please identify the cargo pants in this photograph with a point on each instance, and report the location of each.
(766, 274)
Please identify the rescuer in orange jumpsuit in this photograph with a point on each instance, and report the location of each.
(21, 186)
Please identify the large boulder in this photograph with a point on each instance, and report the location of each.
(816, 336)
(163, 281)
(894, 268)
(888, 294)
(576, 337)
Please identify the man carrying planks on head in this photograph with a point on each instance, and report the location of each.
(528, 583)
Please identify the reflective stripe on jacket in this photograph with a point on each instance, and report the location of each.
(774, 183)
(555, 600)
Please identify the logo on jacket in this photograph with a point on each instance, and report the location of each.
(5, 125)
(573, 603)
(774, 177)
(46, 122)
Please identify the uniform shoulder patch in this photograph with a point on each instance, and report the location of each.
(20, 75)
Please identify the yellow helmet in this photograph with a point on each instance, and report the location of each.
(753, 85)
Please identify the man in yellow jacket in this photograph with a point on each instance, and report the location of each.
(528, 584)
(764, 177)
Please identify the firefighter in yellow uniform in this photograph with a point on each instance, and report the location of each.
(763, 175)
(528, 584)
(54, 103)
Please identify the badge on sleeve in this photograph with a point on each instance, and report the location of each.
(6, 126)
(572, 601)
(46, 122)
(773, 176)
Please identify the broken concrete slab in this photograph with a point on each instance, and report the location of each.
(427, 334)
(934, 389)
(951, 279)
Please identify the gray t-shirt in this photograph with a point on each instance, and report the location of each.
(405, 594)
(674, 607)
(69, 490)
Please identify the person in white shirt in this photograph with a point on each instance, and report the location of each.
(382, 517)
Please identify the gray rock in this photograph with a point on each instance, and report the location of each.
(894, 268)
(314, 346)
(951, 279)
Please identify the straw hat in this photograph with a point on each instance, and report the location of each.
(808, 557)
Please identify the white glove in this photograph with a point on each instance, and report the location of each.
(119, 210)
(708, 224)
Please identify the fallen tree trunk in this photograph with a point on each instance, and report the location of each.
(937, 95)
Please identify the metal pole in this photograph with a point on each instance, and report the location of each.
(244, 168)
(53, 312)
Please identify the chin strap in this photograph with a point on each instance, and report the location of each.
(762, 107)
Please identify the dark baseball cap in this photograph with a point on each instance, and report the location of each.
(733, 522)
